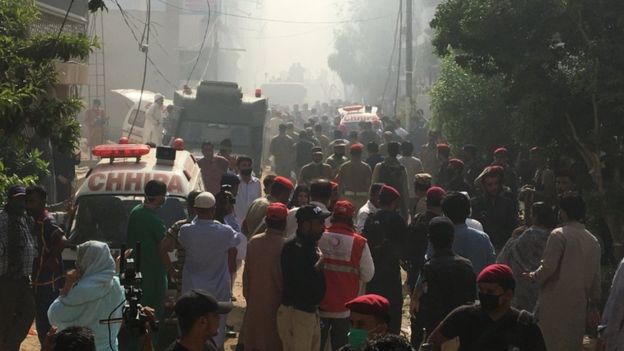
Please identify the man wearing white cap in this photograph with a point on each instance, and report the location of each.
(152, 132)
(210, 255)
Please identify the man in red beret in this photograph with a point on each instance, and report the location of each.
(354, 178)
(510, 179)
(491, 324)
(260, 288)
(495, 210)
(348, 264)
(386, 234)
(457, 181)
(254, 220)
(369, 318)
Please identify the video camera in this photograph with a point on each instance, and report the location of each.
(134, 319)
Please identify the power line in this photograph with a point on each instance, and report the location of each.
(397, 24)
(396, 92)
(275, 20)
(136, 38)
(64, 19)
(188, 79)
(146, 49)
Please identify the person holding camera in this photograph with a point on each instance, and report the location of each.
(210, 255)
(91, 293)
(146, 227)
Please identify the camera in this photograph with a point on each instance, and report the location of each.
(133, 318)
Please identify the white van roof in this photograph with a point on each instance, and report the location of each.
(133, 95)
(126, 176)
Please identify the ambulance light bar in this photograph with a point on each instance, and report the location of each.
(120, 150)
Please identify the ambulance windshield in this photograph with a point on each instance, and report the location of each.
(105, 217)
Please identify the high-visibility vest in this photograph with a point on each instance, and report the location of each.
(342, 251)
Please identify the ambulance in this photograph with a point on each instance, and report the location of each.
(127, 105)
(115, 186)
(351, 116)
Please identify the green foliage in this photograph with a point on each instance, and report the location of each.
(27, 81)
(470, 109)
(559, 67)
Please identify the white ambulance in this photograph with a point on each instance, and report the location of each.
(115, 185)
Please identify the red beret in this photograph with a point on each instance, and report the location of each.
(357, 147)
(500, 151)
(369, 304)
(284, 181)
(497, 273)
(435, 193)
(343, 208)
(277, 211)
(496, 171)
(457, 163)
(388, 190)
(443, 147)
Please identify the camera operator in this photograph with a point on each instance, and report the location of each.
(146, 227)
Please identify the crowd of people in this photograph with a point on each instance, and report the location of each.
(495, 258)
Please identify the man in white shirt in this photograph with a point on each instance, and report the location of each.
(370, 207)
(152, 132)
(249, 188)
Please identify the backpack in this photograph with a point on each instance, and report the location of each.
(391, 175)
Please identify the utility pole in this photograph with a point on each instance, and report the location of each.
(409, 60)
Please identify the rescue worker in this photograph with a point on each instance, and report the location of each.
(354, 178)
(348, 264)
(153, 127)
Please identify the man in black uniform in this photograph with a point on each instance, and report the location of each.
(386, 235)
(492, 324)
(446, 281)
(303, 282)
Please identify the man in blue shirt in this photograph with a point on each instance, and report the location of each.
(210, 255)
(470, 243)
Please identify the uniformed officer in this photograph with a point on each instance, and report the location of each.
(354, 178)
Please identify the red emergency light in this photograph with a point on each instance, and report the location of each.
(352, 108)
(258, 92)
(120, 150)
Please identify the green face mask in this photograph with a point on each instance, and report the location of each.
(357, 337)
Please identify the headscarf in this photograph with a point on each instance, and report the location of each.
(97, 266)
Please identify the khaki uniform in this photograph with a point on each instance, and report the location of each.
(313, 171)
(354, 181)
(281, 149)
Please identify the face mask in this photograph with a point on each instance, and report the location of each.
(245, 172)
(357, 337)
(489, 302)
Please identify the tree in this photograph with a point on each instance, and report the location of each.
(560, 62)
(29, 113)
(464, 103)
